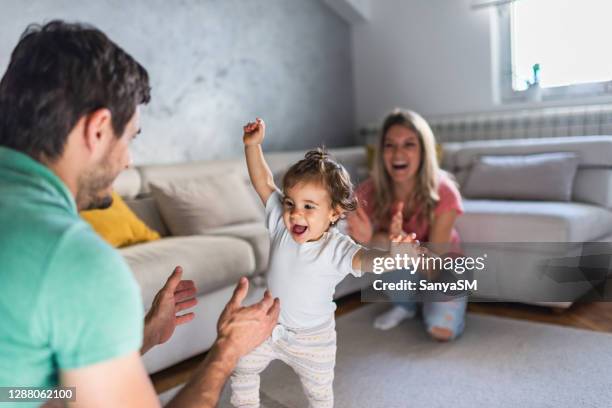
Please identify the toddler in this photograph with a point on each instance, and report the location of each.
(307, 260)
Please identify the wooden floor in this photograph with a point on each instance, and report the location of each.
(590, 316)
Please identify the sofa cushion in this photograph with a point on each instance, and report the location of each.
(118, 225)
(544, 176)
(212, 262)
(532, 221)
(256, 234)
(593, 151)
(146, 209)
(192, 206)
(594, 186)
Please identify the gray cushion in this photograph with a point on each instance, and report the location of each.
(545, 176)
(594, 186)
(146, 209)
(592, 150)
(256, 234)
(212, 262)
(192, 206)
(536, 221)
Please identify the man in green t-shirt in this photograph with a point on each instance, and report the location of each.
(71, 310)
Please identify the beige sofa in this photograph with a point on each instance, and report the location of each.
(538, 251)
(216, 260)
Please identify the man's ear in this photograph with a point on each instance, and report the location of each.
(98, 130)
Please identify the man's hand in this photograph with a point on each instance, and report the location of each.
(254, 132)
(241, 329)
(176, 296)
(359, 226)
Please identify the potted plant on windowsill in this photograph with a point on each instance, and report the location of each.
(534, 90)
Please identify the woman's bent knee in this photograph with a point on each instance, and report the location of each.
(441, 333)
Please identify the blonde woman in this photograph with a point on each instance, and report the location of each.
(409, 193)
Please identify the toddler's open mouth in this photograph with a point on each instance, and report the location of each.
(299, 229)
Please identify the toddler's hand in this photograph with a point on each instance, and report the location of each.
(404, 238)
(405, 244)
(254, 132)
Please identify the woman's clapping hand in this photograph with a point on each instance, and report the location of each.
(359, 226)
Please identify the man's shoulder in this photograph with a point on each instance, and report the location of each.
(76, 291)
(80, 247)
(34, 240)
(93, 299)
(43, 222)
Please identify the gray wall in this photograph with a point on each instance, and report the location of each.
(216, 64)
(433, 56)
(437, 57)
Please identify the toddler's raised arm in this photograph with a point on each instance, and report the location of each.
(259, 172)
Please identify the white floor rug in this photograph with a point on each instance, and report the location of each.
(496, 363)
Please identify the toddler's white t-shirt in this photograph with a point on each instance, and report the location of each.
(304, 276)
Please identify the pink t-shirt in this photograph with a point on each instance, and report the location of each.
(450, 199)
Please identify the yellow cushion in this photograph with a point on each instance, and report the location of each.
(118, 225)
(439, 152)
(370, 153)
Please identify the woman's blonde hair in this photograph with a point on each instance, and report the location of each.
(425, 193)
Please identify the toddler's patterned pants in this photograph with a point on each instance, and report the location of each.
(310, 352)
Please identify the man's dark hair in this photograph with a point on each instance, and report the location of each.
(59, 72)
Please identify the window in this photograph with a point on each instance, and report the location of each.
(554, 49)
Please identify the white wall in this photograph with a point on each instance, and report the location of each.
(214, 64)
(433, 56)
(437, 57)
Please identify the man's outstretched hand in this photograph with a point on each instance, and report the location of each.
(161, 320)
(241, 329)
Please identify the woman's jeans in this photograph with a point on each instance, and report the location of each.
(448, 314)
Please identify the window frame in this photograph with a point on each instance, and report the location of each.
(502, 34)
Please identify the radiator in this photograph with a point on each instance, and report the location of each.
(528, 123)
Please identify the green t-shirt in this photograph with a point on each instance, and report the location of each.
(67, 299)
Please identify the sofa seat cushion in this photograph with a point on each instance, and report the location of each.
(256, 234)
(212, 262)
(530, 221)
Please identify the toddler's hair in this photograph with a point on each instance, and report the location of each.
(318, 166)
